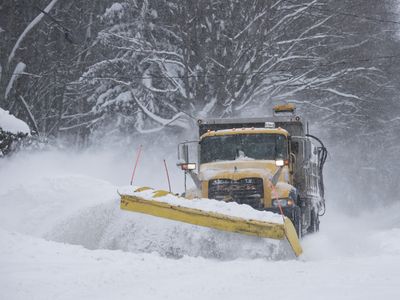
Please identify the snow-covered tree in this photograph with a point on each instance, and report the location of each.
(143, 65)
(158, 62)
(43, 46)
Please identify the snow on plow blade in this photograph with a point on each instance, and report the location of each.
(198, 212)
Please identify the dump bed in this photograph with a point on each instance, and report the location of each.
(293, 124)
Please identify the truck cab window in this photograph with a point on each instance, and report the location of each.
(243, 147)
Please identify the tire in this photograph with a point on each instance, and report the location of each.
(297, 223)
(314, 224)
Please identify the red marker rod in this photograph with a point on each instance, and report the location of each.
(166, 171)
(136, 162)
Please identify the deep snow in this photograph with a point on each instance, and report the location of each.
(63, 236)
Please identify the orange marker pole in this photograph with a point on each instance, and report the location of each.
(136, 162)
(166, 171)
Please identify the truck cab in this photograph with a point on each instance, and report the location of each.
(268, 163)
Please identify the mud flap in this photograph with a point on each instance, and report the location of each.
(211, 219)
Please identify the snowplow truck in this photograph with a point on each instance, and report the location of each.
(269, 163)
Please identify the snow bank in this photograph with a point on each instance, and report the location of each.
(71, 198)
(373, 233)
(11, 124)
(108, 227)
(36, 207)
(209, 205)
(33, 268)
(56, 196)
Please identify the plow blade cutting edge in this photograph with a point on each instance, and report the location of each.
(154, 207)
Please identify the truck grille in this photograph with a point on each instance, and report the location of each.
(244, 191)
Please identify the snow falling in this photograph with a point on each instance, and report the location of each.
(85, 84)
(64, 236)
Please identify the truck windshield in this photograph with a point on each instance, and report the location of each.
(243, 147)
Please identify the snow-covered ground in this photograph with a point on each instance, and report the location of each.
(63, 236)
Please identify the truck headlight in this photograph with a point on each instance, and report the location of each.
(282, 202)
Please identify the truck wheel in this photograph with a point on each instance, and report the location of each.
(297, 223)
(314, 224)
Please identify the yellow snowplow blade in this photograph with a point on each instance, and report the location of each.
(212, 220)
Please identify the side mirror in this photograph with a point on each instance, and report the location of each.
(183, 152)
(183, 156)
